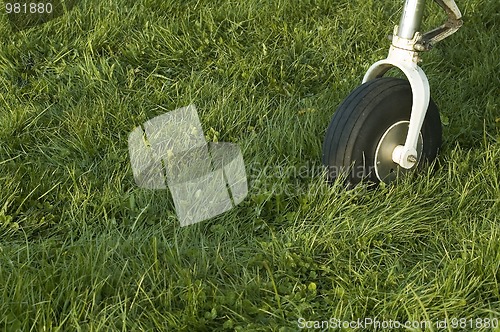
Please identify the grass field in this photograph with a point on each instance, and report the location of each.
(82, 248)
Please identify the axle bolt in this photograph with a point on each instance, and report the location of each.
(412, 159)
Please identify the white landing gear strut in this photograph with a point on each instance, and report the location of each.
(404, 53)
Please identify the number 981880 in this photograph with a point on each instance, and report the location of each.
(28, 8)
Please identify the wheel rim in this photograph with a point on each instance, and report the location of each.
(385, 168)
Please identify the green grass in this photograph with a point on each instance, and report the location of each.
(82, 248)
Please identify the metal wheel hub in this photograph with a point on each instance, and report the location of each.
(385, 168)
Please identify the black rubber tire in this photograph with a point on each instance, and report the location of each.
(360, 121)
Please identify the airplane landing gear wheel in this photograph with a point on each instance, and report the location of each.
(369, 124)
